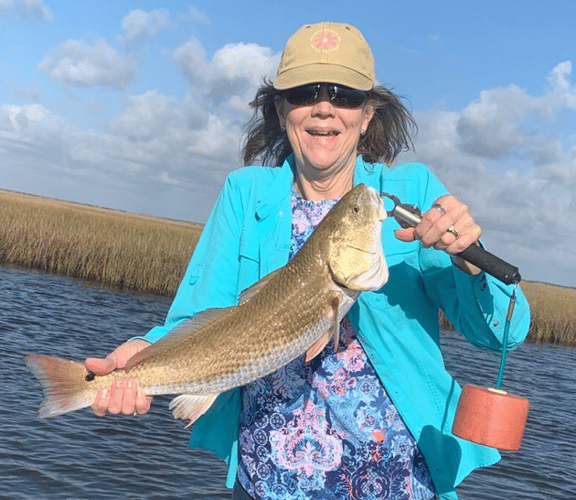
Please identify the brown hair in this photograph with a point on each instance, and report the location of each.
(388, 134)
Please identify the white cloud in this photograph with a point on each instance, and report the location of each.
(138, 23)
(78, 63)
(30, 120)
(239, 68)
(508, 121)
(229, 80)
(196, 16)
(563, 93)
(507, 153)
(191, 59)
(493, 126)
(167, 147)
(149, 115)
(26, 8)
(504, 156)
(31, 92)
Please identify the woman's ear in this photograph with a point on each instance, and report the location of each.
(368, 114)
(280, 110)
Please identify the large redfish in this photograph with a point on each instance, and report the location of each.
(293, 311)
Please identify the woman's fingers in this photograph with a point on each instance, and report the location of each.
(101, 403)
(100, 366)
(143, 402)
(124, 396)
(448, 226)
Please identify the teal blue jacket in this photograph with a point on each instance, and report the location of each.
(248, 236)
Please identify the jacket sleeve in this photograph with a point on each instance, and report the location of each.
(476, 305)
(210, 279)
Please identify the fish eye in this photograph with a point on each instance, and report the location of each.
(355, 209)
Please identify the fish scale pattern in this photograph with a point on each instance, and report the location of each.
(279, 319)
(272, 327)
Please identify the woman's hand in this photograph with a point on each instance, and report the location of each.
(124, 396)
(446, 226)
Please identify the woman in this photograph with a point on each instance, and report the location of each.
(373, 419)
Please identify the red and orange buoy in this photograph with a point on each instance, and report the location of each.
(491, 417)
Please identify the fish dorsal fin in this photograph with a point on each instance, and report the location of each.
(332, 332)
(256, 287)
(190, 407)
(184, 331)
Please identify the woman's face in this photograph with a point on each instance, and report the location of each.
(324, 138)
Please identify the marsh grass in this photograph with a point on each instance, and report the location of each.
(150, 254)
(114, 248)
(552, 314)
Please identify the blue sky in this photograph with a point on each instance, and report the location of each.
(141, 105)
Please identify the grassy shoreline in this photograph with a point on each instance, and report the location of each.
(121, 249)
(552, 314)
(150, 254)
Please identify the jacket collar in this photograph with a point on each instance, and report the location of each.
(368, 173)
(281, 186)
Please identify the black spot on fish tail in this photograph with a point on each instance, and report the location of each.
(90, 377)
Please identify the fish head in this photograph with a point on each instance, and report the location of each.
(355, 254)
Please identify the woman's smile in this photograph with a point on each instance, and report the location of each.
(322, 132)
(324, 137)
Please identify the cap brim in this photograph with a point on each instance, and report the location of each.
(322, 73)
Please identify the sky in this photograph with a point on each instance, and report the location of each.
(141, 105)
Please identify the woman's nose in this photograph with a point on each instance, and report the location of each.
(323, 105)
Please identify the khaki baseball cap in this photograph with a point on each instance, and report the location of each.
(326, 52)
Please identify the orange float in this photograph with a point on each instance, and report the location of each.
(491, 417)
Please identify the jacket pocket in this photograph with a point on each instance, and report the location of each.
(248, 263)
(195, 273)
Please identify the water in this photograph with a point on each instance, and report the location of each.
(79, 456)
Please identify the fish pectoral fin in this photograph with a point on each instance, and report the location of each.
(332, 332)
(190, 407)
(336, 323)
(318, 346)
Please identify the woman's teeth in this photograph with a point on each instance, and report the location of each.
(323, 134)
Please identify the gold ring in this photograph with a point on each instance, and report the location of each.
(439, 207)
(454, 231)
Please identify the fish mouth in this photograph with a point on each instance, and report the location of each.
(378, 203)
(363, 250)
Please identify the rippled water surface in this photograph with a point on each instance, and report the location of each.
(79, 456)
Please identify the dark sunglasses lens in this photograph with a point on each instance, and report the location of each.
(342, 97)
(306, 94)
(345, 97)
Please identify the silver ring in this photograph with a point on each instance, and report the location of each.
(454, 231)
(439, 207)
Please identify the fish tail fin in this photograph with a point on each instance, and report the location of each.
(64, 383)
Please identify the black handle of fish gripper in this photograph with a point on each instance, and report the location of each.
(488, 262)
(409, 216)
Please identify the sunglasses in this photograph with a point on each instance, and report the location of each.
(339, 95)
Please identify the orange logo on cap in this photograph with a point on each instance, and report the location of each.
(325, 40)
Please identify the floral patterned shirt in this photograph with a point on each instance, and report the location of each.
(327, 430)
